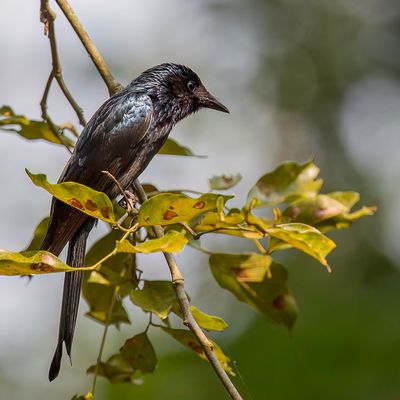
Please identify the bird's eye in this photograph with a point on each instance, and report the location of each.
(191, 86)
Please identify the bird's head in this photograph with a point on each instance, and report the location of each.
(176, 91)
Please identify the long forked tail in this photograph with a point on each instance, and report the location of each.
(71, 296)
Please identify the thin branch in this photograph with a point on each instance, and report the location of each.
(177, 278)
(153, 193)
(259, 246)
(188, 319)
(108, 321)
(112, 85)
(46, 117)
(129, 198)
(103, 339)
(47, 16)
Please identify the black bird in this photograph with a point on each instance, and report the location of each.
(122, 137)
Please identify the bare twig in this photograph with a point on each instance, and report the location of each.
(47, 16)
(103, 339)
(177, 278)
(108, 322)
(43, 105)
(112, 85)
(130, 205)
(259, 246)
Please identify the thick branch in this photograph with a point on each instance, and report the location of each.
(112, 85)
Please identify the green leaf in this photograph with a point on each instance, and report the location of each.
(116, 369)
(258, 281)
(98, 286)
(205, 321)
(233, 224)
(150, 189)
(171, 242)
(208, 322)
(157, 297)
(327, 211)
(287, 182)
(304, 238)
(139, 353)
(81, 197)
(38, 235)
(187, 338)
(168, 208)
(224, 182)
(99, 297)
(32, 263)
(29, 129)
(171, 147)
(347, 199)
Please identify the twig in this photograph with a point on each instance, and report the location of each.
(177, 278)
(130, 206)
(45, 115)
(188, 320)
(259, 246)
(112, 85)
(47, 16)
(153, 193)
(103, 339)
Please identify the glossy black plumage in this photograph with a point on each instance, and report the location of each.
(122, 137)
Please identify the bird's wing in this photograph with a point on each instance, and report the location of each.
(116, 127)
(106, 144)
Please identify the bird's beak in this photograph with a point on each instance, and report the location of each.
(207, 100)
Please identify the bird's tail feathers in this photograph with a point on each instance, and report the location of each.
(71, 296)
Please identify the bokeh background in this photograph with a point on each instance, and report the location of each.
(303, 79)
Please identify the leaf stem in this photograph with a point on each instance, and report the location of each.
(259, 246)
(103, 339)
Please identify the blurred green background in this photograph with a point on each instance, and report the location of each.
(303, 79)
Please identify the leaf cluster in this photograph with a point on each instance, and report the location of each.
(285, 209)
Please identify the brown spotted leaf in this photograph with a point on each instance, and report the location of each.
(29, 129)
(258, 281)
(187, 338)
(327, 211)
(116, 369)
(89, 201)
(169, 208)
(224, 182)
(32, 263)
(139, 353)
